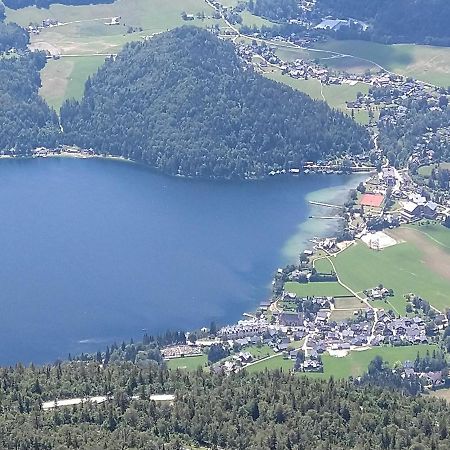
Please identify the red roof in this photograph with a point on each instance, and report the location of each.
(374, 200)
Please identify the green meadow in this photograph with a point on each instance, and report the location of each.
(64, 78)
(187, 362)
(318, 289)
(399, 267)
(425, 63)
(357, 362)
(335, 95)
(84, 39)
(277, 362)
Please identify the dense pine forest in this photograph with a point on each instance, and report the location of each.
(273, 411)
(419, 21)
(184, 103)
(27, 121)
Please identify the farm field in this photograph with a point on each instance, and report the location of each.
(318, 289)
(357, 362)
(425, 63)
(401, 267)
(64, 78)
(334, 95)
(187, 362)
(83, 33)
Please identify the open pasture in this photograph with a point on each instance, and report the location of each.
(335, 95)
(405, 268)
(425, 63)
(357, 362)
(83, 39)
(318, 289)
(64, 78)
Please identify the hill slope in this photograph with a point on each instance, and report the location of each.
(184, 103)
(27, 121)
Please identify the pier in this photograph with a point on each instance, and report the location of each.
(328, 205)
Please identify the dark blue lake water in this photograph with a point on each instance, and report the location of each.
(94, 251)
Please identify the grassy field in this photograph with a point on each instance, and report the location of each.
(259, 352)
(278, 362)
(401, 268)
(188, 362)
(426, 63)
(349, 303)
(251, 20)
(64, 78)
(356, 363)
(441, 393)
(334, 95)
(339, 315)
(436, 232)
(425, 171)
(321, 289)
(84, 33)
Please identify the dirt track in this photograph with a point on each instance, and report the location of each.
(433, 256)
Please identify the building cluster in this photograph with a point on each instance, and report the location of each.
(399, 331)
(46, 23)
(431, 379)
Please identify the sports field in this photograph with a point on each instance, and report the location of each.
(357, 362)
(426, 63)
(416, 265)
(319, 289)
(334, 95)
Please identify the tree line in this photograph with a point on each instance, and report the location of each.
(267, 410)
(418, 21)
(184, 103)
(27, 121)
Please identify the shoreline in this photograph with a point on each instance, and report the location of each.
(76, 153)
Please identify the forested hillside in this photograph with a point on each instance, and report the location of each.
(11, 35)
(275, 9)
(421, 21)
(272, 411)
(27, 121)
(183, 103)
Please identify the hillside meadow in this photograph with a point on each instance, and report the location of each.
(83, 40)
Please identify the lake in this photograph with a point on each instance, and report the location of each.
(96, 251)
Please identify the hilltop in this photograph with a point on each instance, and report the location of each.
(183, 102)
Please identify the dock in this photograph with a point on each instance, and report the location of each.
(328, 205)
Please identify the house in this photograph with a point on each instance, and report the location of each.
(411, 211)
(331, 24)
(113, 21)
(322, 316)
(430, 210)
(388, 175)
(434, 379)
